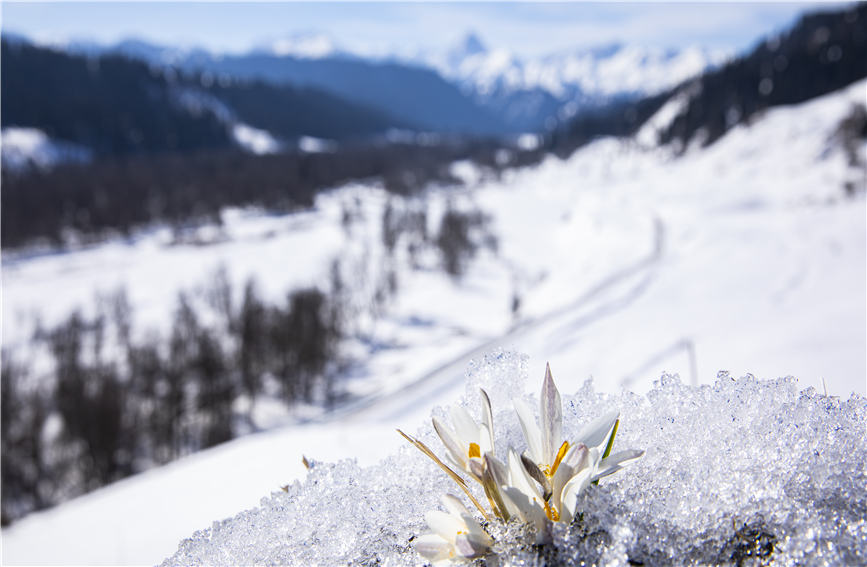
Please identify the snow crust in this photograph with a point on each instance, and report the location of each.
(739, 469)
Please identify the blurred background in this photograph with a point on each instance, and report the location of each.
(254, 231)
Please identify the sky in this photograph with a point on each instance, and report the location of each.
(528, 29)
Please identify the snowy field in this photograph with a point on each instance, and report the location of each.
(745, 257)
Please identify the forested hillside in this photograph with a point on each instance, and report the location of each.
(114, 105)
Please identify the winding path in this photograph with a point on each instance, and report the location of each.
(611, 294)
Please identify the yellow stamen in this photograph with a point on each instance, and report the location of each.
(552, 512)
(564, 448)
(475, 450)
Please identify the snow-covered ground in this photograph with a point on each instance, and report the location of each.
(745, 257)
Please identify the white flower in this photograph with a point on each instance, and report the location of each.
(545, 445)
(455, 534)
(470, 448)
(562, 470)
(523, 498)
(541, 484)
(469, 441)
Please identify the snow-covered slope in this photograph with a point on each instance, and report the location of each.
(524, 93)
(626, 261)
(30, 147)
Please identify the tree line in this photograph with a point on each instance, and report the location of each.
(115, 399)
(117, 402)
(116, 196)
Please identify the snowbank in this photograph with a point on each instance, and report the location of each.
(743, 468)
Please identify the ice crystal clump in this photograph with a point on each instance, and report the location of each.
(742, 472)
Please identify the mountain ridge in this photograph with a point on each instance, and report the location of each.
(467, 86)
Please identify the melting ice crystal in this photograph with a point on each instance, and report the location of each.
(744, 471)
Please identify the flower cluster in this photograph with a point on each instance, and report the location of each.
(541, 484)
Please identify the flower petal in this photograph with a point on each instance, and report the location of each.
(464, 424)
(492, 479)
(477, 468)
(595, 434)
(536, 474)
(497, 468)
(551, 414)
(531, 431)
(617, 461)
(488, 416)
(452, 443)
(576, 459)
(470, 546)
(528, 510)
(573, 488)
(445, 525)
(432, 547)
(475, 529)
(454, 505)
(519, 479)
(485, 440)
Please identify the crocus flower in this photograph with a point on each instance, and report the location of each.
(468, 441)
(562, 470)
(455, 534)
(543, 483)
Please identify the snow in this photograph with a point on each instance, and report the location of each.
(249, 138)
(308, 45)
(255, 140)
(648, 134)
(741, 467)
(595, 72)
(23, 147)
(312, 145)
(529, 141)
(140, 520)
(744, 256)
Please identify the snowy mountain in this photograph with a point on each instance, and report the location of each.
(478, 89)
(304, 45)
(529, 92)
(606, 71)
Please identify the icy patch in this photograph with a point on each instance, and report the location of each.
(743, 470)
(255, 140)
(26, 147)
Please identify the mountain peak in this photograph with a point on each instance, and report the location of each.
(305, 45)
(471, 44)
